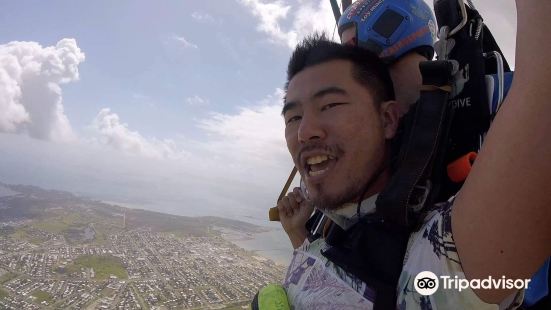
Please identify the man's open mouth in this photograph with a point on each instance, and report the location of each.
(318, 165)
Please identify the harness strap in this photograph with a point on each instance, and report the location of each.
(419, 145)
(446, 88)
(374, 252)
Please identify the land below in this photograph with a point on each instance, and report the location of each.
(61, 251)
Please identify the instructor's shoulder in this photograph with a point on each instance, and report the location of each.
(500, 218)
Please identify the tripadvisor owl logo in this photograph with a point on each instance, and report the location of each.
(426, 283)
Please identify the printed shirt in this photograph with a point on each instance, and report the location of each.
(314, 282)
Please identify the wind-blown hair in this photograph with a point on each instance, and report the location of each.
(368, 69)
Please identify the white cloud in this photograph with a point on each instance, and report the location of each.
(202, 17)
(185, 43)
(270, 15)
(197, 101)
(254, 136)
(30, 88)
(304, 18)
(288, 23)
(236, 171)
(116, 134)
(13, 112)
(314, 16)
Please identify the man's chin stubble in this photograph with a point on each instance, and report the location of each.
(323, 202)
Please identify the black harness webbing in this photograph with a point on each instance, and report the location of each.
(424, 133)
(472, 115)
(374, 252)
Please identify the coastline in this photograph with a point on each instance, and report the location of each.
(272, 244)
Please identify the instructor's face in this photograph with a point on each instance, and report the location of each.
(334, 132)
(349, 36)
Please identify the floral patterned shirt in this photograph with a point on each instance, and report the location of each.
(314, 282)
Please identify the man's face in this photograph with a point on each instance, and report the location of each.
(334, 132)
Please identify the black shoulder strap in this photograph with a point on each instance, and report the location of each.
(374, 252)
(420, 143)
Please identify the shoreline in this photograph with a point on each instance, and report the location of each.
(271, 244)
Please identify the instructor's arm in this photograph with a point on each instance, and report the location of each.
(501, 218)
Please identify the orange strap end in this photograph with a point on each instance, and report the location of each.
(459, 169)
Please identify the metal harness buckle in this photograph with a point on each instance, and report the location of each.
(419, 193)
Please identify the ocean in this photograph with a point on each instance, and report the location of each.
(272, 244)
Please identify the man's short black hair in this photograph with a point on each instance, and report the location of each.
(368, 69)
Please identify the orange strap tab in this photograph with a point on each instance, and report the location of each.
(459, 169)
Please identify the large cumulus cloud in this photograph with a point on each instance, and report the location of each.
(30, 88)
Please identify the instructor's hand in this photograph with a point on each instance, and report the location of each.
(294, 211)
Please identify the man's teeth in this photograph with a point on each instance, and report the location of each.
(317, 159)
(314, 162)
(315, 173)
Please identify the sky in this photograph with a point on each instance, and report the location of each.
(171, 106)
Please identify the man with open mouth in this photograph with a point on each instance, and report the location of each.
(340, 113)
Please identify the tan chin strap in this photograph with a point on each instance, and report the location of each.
(273, 213)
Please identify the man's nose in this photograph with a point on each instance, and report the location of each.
(310, 128)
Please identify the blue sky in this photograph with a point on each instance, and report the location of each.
(168, 105)
(138, 63)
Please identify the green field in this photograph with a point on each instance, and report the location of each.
(53, 225)
(3, 293)
(7, 277)
(70, 224)
(42, 296)
(104, 266)
(61, 223)
(24, 233)
(103, 229)
(20, 233)
(99, 239)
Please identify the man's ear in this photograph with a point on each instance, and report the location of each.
(390, 117)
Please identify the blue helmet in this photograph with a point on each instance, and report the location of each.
(391, 28)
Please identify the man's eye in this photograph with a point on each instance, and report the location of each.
(331, 105)
(293, 119)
